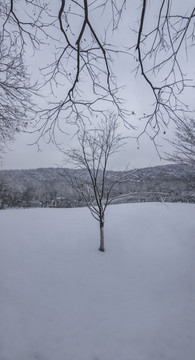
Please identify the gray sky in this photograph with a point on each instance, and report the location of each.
(22, 155)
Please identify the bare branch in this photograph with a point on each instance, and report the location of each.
(159, 55)
(184, 143)
(17, 110)
(83, 53)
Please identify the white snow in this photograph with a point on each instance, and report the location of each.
(62, 299)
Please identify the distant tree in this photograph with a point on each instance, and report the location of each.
(184, 143)
(7, 192)
(2, 190)
(95, 147)
(28, 195)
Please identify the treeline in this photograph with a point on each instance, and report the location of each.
(50, 188)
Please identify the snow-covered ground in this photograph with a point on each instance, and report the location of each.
(61, 299)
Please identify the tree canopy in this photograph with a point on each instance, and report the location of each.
(84, 40)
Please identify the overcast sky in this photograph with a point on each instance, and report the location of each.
(22, 155)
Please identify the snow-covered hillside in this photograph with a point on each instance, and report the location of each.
(61, 299)
(49, 188)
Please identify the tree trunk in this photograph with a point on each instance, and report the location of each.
(101, 248)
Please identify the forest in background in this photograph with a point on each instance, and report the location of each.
(48, 187)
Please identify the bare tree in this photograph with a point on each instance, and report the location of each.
(95, 147)
(84, 55)
(16, 106)
(184, 143)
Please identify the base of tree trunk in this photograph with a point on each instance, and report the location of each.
(101, 248)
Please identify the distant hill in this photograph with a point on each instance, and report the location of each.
(172, 171)
(48, 186)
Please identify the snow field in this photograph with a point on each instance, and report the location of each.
(62, 299)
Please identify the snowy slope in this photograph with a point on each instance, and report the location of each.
(61, 299)
(49, 188)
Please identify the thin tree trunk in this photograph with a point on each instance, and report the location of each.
(101, 248)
